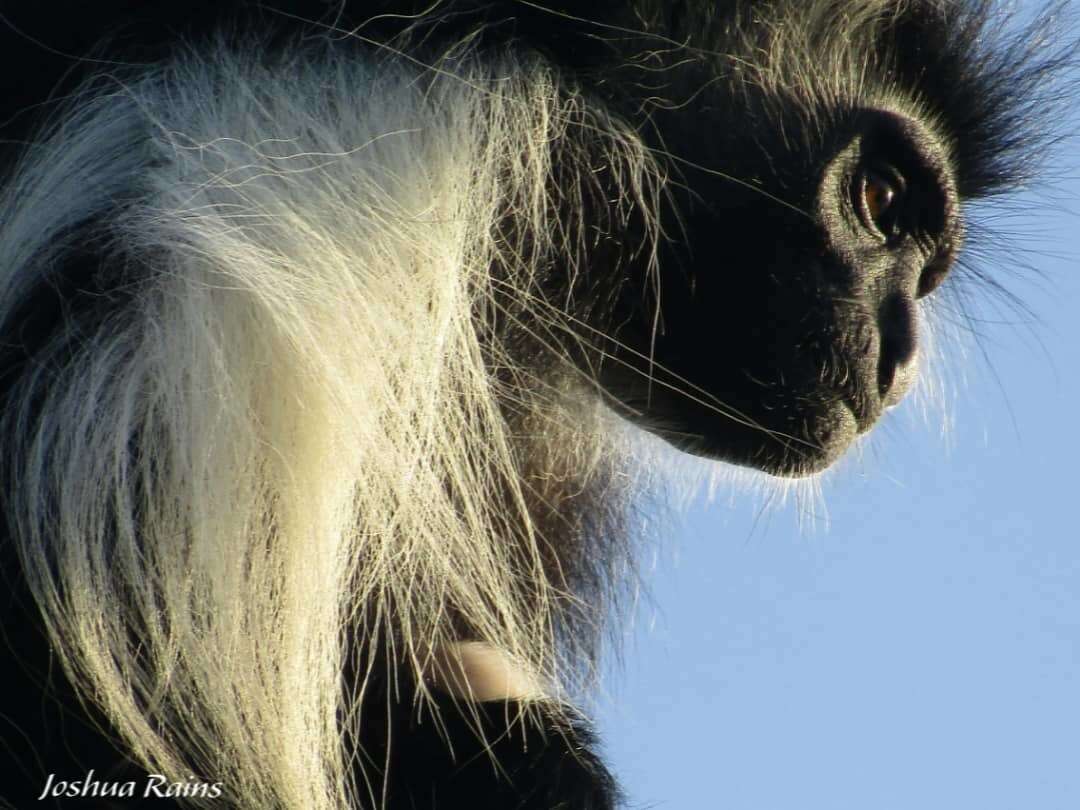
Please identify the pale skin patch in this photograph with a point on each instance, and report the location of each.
(480, 672)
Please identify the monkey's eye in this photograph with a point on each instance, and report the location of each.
(879, 200)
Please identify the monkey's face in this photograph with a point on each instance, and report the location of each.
(816, 162)
(787, 306)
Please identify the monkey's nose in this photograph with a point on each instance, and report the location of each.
(898, 356)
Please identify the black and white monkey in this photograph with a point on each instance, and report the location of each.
(328, 332)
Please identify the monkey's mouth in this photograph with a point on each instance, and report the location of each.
(818, 442)
(788, 414)
(794, 438)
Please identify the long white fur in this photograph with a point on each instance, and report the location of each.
(285, 432)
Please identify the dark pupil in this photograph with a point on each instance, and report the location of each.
(880, 194)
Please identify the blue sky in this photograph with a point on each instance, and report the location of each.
(920, 647)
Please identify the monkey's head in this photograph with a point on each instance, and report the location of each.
(819, 164)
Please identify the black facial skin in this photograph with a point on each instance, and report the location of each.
(795, 316)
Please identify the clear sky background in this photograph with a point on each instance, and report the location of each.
(911, 640)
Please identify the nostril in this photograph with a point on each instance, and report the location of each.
(931, 278)
(899, 344)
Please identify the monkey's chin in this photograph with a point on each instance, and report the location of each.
(827, 436)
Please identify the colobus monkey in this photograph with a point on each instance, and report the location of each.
(329, 333)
